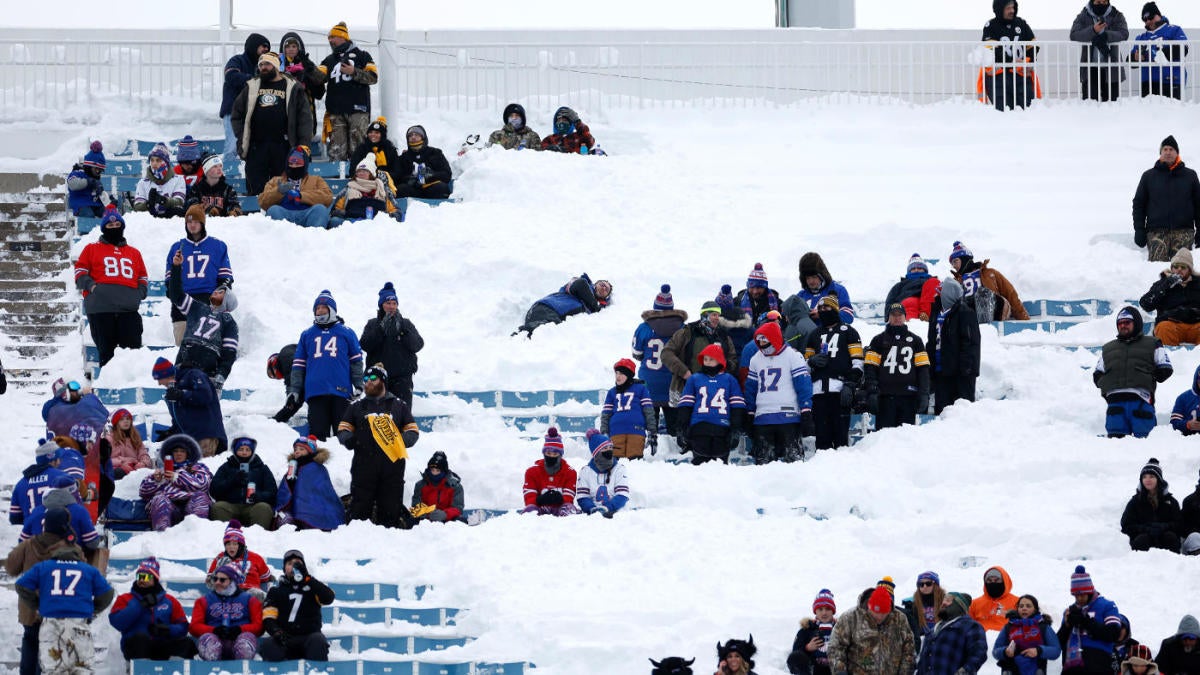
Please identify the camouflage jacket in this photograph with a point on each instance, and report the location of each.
(859, 647)
(510, 139)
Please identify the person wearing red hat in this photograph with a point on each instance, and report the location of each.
(779, 395)
(128, 451)
(872, 639)
(550, 483)
(809, 655)
(628, 414)
(711, 409)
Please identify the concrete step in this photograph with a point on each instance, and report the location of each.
(17, 269)
(32, 333)
(35, 229)
(29, 285)
(24, 182)
(39, 350)
(24, 246)
(34, 296)
(52, 311)
(34, 210)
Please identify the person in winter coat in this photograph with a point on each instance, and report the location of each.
(128, 451)
(578, 296)
(256, 576)
(56, 535)
(628, 413)
(672, 665)
(779, 394)
(800, 310)
(1189, 523)
(306, 497)
(1127, 373)
(1152, 514)
(438, 495)
(161, 191)
(210, 333)
(999, 302)
(327, 368)
(365, 195)
(379, 429)
(86, 196)
(1185, 416)
(295, 196)
(515, 134)
(649, 339)
(271, 116)
(178, 489)
(1027, 642)
(1089, 629)
(393, 340)
(916, 290)
(111, 276)
(1100, 26)
(953, 347)
(681, 355)
(992, 607)
(151, 620)
(64, 494)
(387, 157)
(188, 161)
(238, 71)
(895, 374)
(736, 657)
(74, 409)
(737, 323)
(835, 360)
(422, 170)
(207, 268)
(809, 655)
(1176, 298)
(957, 643)
(756, 299)
(570, 135)
(1124, 645)
(65, 643)
(36, 480)
(1158, 76)
(1008, 85)
(710, 410)
(603, 485)
(350, 72)
(297, 65)
(1139, 662)
(1166, 205)
(244, 488)
(922, 608)
(872, 639)
(279, 367)
(292, 614)
(212, 193)
(550, 483)
(1180, 653)
(227, 621)
(194, 406)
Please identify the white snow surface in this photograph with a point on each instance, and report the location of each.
(695, 198)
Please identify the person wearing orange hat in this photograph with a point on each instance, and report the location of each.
(710, 409)
(350, 72)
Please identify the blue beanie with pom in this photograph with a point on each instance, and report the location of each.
(664, 301)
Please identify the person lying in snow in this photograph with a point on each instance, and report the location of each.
(577, 296)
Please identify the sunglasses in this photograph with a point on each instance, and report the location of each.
(73, 385)
(923, 584)
(221, 580)
(145, 576)
(370, 378)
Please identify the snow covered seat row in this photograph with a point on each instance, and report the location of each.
(125, 567)
(326, 170)
(488, 399)
(401, 645)
(355, 667)
(1046, 326)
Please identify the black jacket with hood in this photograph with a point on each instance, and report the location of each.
(309, 78)
(999, 30)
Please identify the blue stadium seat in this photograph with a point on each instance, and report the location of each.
(443, 668)
(198, 667)
(387, 668)
(364, 614)
(277, 668)
(500, 668)
(250, 204)
(180, 587)
(85, 224)
(326, 170)
(524, 399)
(124, 167)
(156, 287)
(146, 667)
(574, 425)
(238, 183)
(336, 185)
(125, 183)
(427, 644)
(331, 667)
(396, 644)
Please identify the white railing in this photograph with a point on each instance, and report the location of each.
(39, 75)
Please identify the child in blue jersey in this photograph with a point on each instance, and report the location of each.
(649, 339)
(628, 414)
(327, 368)
(67, 593)
(37, 479)
(205, 265)
(711, 409)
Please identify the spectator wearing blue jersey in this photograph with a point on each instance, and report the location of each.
(650, 337)
(37, 478)
(68, 593)
(1089, 628)
(602, 485)
(85, 194)
(72, 408)
(63, 495)
(194, 405)
(628, 414)
(1185, 416)
(210, 337)
(151, 621)
(1161, 76)
(682, 353)
(800, 310)
(779, 392)
(238, 71)
(205, 264)
(327, 369)
(711, 409)
(577, 296)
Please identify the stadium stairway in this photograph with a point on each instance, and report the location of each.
(35, 271)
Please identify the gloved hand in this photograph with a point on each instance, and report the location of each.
(284, 187)
(565, 510)
(153, 198)
(807, 426)
(809, 443)
(227, 632)
(550, 498)
(735, 438)
(601, 509)
(280, 637)
(159, 209)
(652, 441)
(818, 361)
(847, 399)
(292, 196)
(1076, 617)
(410, 438)
(922, 404)
(293, 400)
(530, 509)
(161, 631)
(299, 572)
(1139, 238)
(147, 599)
(437, 516)
(173, 394)
(1174, 280)
(218, 381)
(294, 69)
(556, 148)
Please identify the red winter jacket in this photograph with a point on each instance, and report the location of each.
(538, 481)
(446, 495)
(570, 142)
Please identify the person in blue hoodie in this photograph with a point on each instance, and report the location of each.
(238, 71)
(1090, 627)
(1185, 416)
(86, 195)
(37, 479)
(1160, 75)
(72, 409)
(194, 406)
(577, 296)
(1027, 642)
(151, 621)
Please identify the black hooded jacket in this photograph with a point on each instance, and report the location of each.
(1141, 517)
(229, 483)
(1167, 197)
(387, 157)
(437, 169)
(999, 30)
(310, 79)
(239, 69)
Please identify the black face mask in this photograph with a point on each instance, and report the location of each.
(895, 330)
(604, 460)
(297, 172)
(551, 463)
(994, 589)
(828, 317)
(710, 370)
(113, 235)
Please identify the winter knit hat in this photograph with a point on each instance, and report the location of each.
(824, 599)
(1169, 142)
(309, 442)
(368, 163)
(163, 369)
(149, 566)
(598, 442)
(196, 212)
(831, 301)
(744, 648)
(1125, 315)
(626, 366)
(380, 125)
(388, 292)
(95, 158)
(439, 460)
(213, 161)
(188, 150)
(1149, 11)
(714, 352)
(377, 370)
(929, 576)
(916, 262)
(111, 215)
(664, 301)
(960, 250)
(552, 442)
(418, 129)
(300, 152)
(724, 298)
(160, 151)
(888, 585)
(1081, 581)
(1155, 470)
(340, 30)
(233, 532)
(710, 307)
(57, 521)
(1184, 256)
(773, 315)
(293, 554)
(757, 278)
(880, 601)
(325, 298)
(121, 414)
(960, 604)
(243, 441)
(47, 451)
(230, 570)
(269, 57)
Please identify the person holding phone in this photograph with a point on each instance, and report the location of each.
(1100, 26)
(292, 615)
(809, 656)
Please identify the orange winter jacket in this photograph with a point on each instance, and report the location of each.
(991, 612)
(1000, 285)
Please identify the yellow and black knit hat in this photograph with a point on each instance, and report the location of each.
(340, 30)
